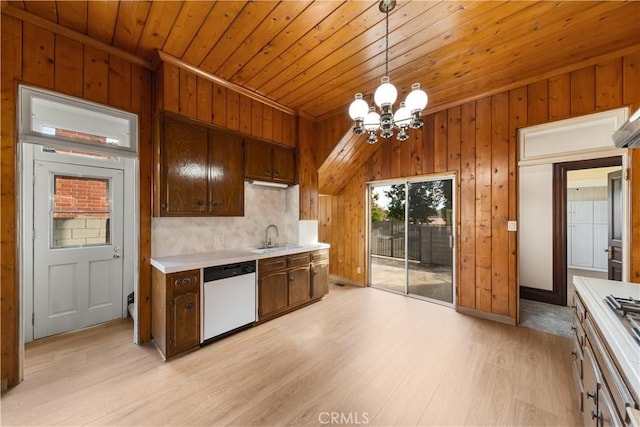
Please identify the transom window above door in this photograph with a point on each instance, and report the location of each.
(51, 119)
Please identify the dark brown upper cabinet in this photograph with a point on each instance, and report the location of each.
(201, 170)
(269, 162)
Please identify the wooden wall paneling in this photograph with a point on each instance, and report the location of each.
(171, 88)
(305, 169)
(483, 204)
(440, 142)
(68, 64)
(395, 159)
(373, 166)
(38, 56)
(362, 227)
(96, 75)
(233, 110)
(559, 97)
(11, 46)
(517, 119)
(141, 104)
(256, 118)
(417, 152)
(609, 84)
(631, 78)
(453, 138)
(467, 209)
(188, 90)
(631, 97)
(204, 99)
(583, 91)
(219, 104)
(245, 114)
(428, 132)
(500, 203)
(405, 156)
(337, 210)
(276, 134)
(158, 98)
(385, 161)
(119, 82)
(288, 130)
(538, 102)
(267, 122)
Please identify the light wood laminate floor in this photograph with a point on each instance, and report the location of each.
(361, 356)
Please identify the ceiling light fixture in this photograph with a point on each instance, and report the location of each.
(366, 118)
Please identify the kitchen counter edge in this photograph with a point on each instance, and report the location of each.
(178, 263)
(624, 349)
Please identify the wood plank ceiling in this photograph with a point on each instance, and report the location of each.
(313, 56)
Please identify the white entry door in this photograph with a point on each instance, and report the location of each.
(78, 236)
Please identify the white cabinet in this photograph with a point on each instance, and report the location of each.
(587, 234)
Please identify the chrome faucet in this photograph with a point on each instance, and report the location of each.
(267, 239)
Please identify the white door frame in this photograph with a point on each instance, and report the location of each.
(28, 153)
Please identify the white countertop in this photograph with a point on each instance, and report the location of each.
(176, 263)
(625, 349)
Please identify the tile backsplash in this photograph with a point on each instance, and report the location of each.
(262, 206)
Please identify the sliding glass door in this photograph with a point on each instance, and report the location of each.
(412, 238)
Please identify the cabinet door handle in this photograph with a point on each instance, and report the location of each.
(190, 305)
(267, 172)
(186, 281)
(591, 395)
(575, 354)
(276, 174)
(199, 202)
(573, 328)
(215, 203)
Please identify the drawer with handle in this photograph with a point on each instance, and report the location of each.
(185, 280)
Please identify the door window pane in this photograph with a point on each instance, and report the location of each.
(81, 212)
(387, 238)
(430, 234)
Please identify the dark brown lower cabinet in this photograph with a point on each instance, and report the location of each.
(175, 311)
(284, 283)
(299, 286)
(319, 273)
(273, 290)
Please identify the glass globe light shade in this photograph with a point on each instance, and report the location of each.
(416, 99)
(358, 108)
(402, 117)
(372, 121)
(386, 93)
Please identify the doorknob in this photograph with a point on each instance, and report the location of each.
(116, 252)
(609, 252)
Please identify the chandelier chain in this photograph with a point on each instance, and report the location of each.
(386, 50)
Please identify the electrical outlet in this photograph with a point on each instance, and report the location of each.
(512, 225)
(358, 270)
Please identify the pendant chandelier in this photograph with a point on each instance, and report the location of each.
(366, 118)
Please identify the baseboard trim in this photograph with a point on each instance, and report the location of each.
(541, 295)
(345, 281)
(489, 316)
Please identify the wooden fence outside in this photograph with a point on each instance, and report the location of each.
(428, 244)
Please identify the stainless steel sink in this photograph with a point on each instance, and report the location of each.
(274, 249)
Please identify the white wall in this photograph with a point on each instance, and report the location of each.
(536, 226)
(262, 206)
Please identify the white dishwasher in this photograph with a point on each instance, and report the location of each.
(228, 300)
